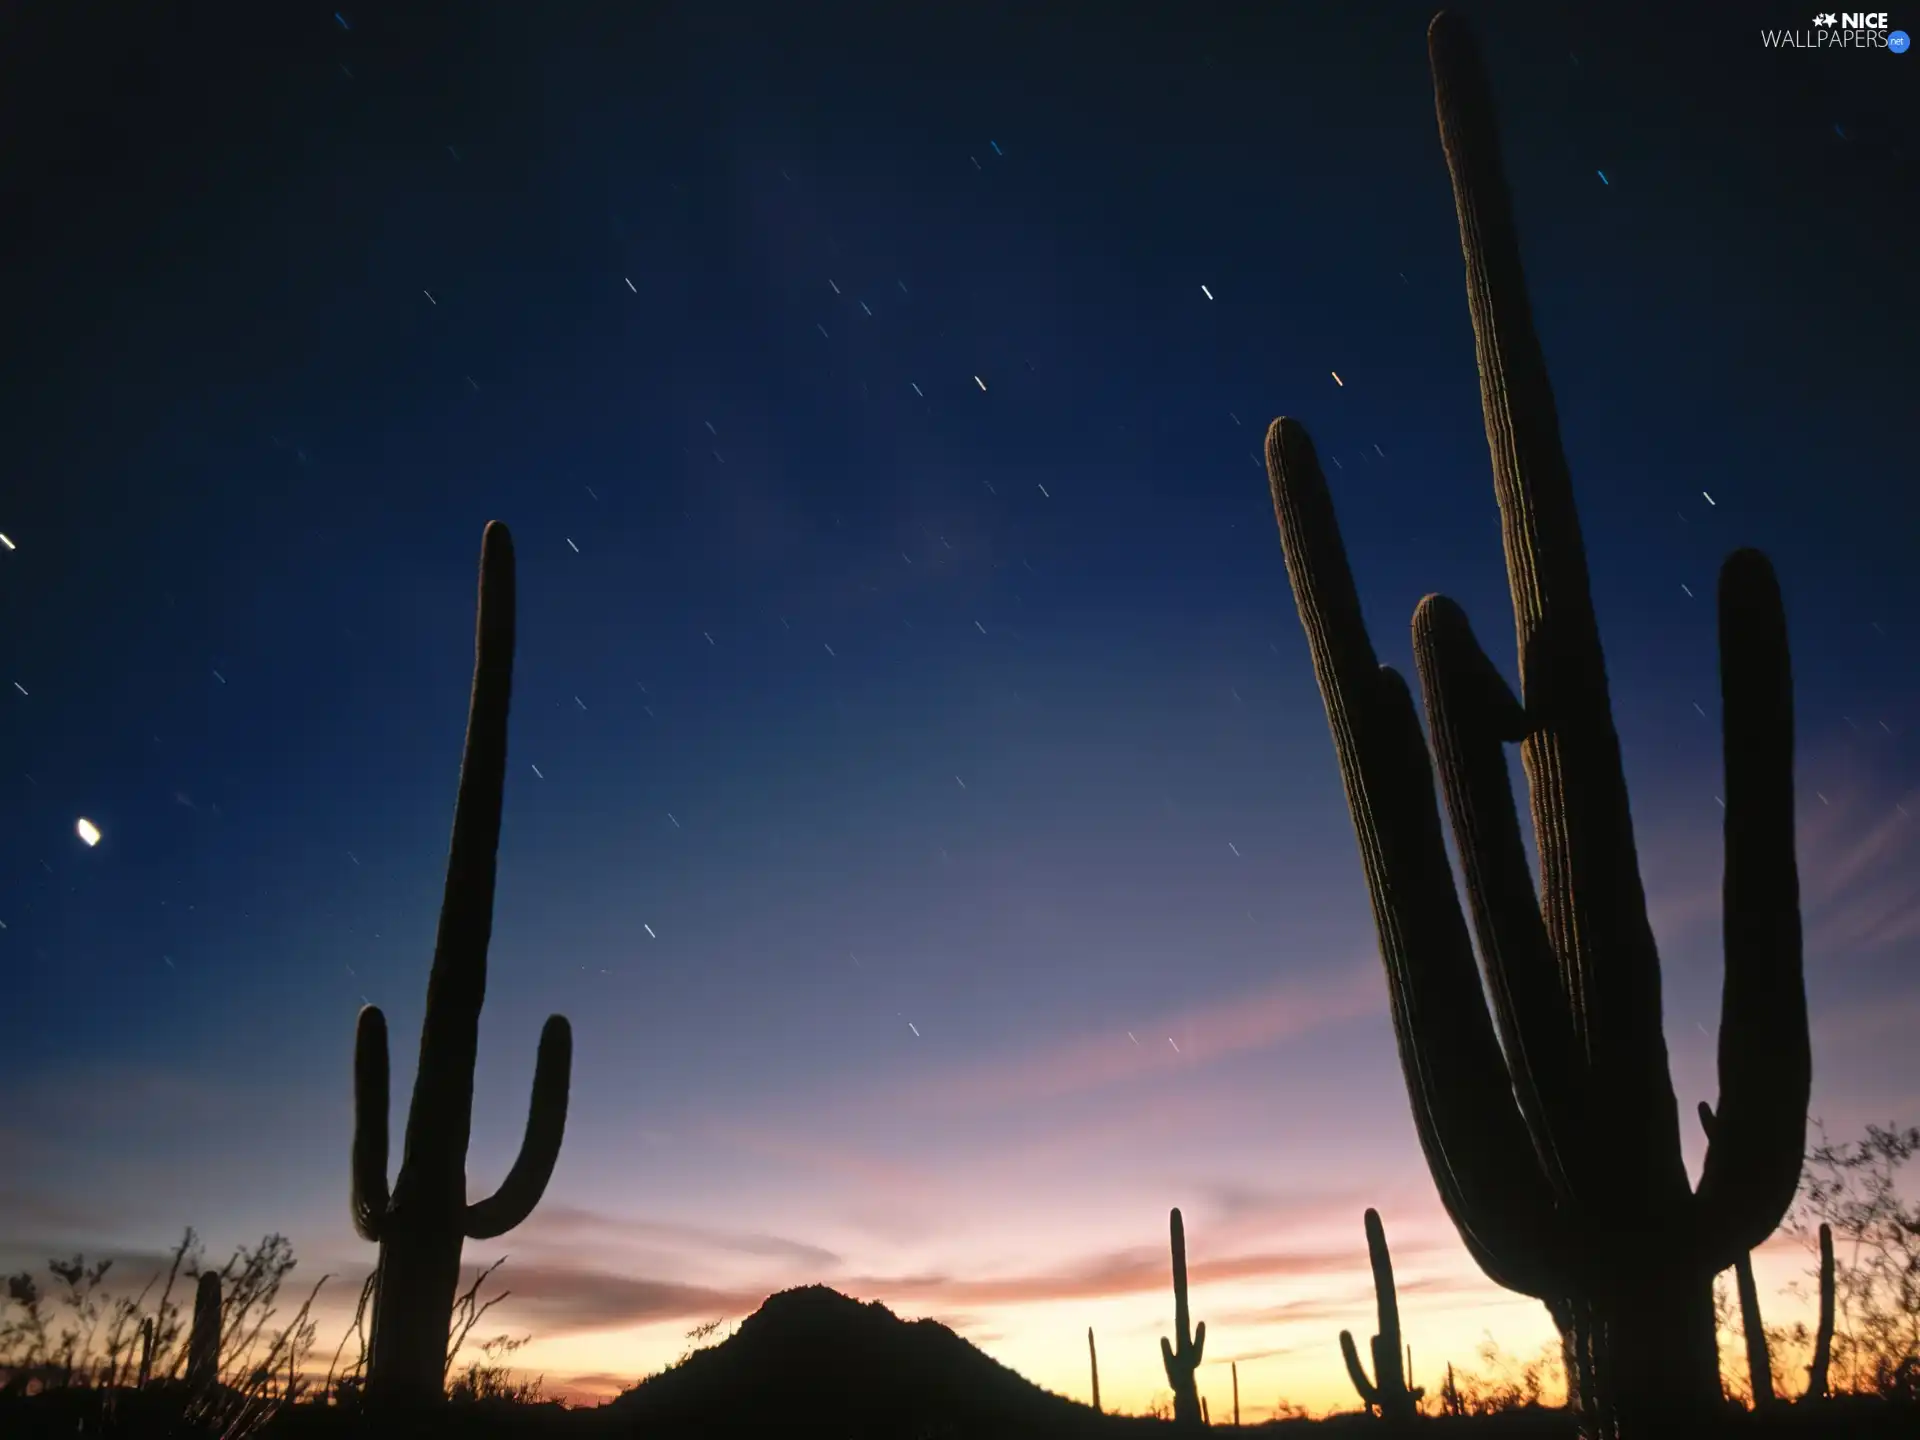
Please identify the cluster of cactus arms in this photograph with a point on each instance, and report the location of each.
(203, 1341)
(1093, 1359)
(1550, 1125)
(422, 1222)
(1182, 1356)
(1387, 1394)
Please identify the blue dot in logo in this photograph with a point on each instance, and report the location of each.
(1897, 42)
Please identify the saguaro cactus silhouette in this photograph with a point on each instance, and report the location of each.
(1752, 1328)
(1093, 1360)
(1387, 1394)
(1550, 1126)
(1182, 1356)
(203, 1340)
(145, 1372)
(1823, 1334)
(422, 1223)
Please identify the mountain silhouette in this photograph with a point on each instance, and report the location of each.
(814, 1357)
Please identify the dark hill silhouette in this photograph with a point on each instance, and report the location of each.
(850, 1369)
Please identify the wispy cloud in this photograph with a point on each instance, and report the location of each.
(562, 1300)
(1131, 1271)
(1858, 841)
(1159, 1045)
(570, 1225)
(1860, 852)
(1352, 1300)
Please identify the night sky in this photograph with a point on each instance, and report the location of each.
(918, 795)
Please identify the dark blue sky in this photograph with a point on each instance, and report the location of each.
(867, 701)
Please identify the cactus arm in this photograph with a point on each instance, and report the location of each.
(1199, 1343)
(1766, 1064)
(1469, 1124)
(1595, 912)
(370, 1198)
(539, 1146)
(1471, 713)
(441, 1118)
(1356, 1372)
(1752, 1329)
(1476, 1143)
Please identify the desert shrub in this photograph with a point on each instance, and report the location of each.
(1855, 1187)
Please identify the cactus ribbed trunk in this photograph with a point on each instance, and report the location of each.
(423, 1222)
(1538, 1078)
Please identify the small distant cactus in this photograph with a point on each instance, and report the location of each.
(1236, 1392)
(1182, 1356)
(1387, 1395)
(203, 1341)
(1093, 1359)
(1823, 1336)
(421, 1224)
(145, 1373)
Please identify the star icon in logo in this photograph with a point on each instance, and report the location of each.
(1826, 19)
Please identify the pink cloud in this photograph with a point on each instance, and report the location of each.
(560, 1226)
(562, 1299)
(1132, 1271)
(1161, 1045)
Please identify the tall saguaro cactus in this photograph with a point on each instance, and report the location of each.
(1387, 1393)
(421, 1224)
(1550, 1125)
(1182, 1356)
(1093, 1360)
